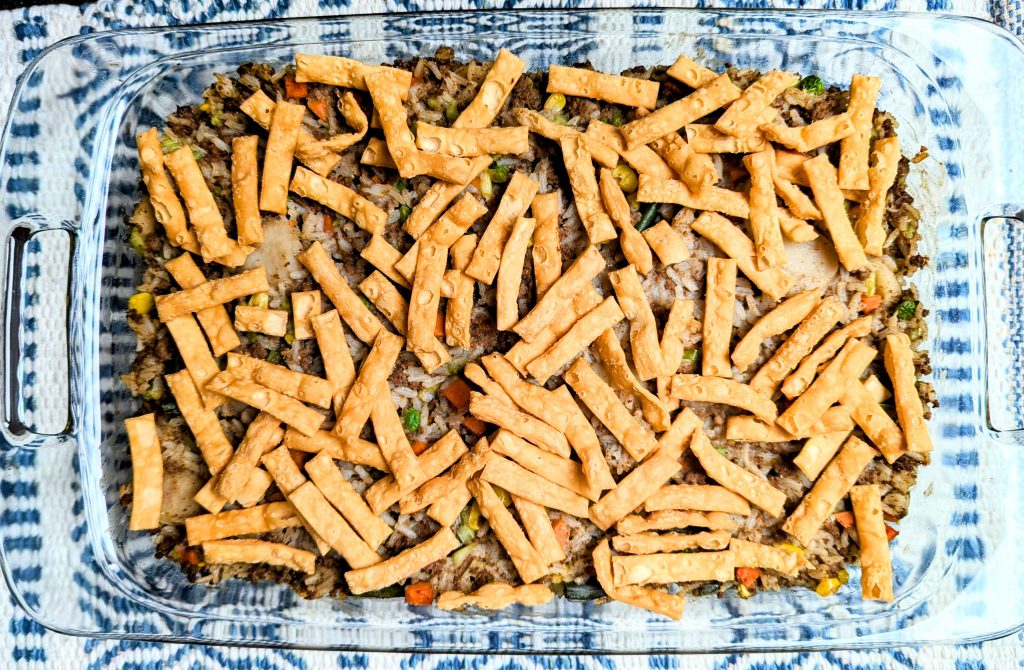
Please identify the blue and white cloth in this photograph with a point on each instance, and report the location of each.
(25, 644)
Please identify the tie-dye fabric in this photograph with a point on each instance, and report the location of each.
(25, 644)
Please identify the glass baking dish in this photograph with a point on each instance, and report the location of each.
(68, 169)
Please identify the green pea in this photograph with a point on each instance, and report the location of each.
(411, 419)
(451, 112)
(626, 177)
(498, 174)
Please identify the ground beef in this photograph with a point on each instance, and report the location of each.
(835, 102)
(528, 92)
(582, 108)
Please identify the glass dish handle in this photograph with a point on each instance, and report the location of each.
(1003, 263)
(22, 335)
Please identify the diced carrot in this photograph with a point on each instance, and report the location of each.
(418, 447)
(439, 324)
(890, 517)
(328, 223)
(747, 576)
(561, 529)
(420, 593)
(474, 425)
(869, 303)
(190, 556)
(457, 393)
(318, 107)
(294, 89)
(845, 519)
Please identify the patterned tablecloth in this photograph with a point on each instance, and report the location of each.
(25, 644)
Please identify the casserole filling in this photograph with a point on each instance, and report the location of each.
(627, 336)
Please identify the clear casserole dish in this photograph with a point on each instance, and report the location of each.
(68, 169)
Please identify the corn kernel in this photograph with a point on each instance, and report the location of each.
(827, 587)
(473, 518)
(141, 303)
(554, 103)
